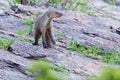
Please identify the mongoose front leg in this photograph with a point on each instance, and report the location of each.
(48, 39)
(44, 42)
(51, 37)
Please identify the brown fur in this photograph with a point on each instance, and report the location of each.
(43, 28)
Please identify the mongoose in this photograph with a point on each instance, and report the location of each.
(43, 27)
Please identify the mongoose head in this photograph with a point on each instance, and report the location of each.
(54, 14)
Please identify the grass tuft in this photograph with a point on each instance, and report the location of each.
(94, 52)
(5, 43)
(44, 70)
(111, 73)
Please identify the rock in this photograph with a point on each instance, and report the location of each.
(117, 2)
(12, 23)
(14, 67)
(102, 37)
(28, 52)
(3, 6)
(72, 61)
(91, 30)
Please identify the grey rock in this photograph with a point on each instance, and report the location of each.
(117, 2)
(72, 61)
(88, 30)
(14, 67)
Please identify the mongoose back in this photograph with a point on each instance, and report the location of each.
(43, 28)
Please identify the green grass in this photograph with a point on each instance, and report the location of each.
(58, 68)
(12, 2)
(44, 70)
(21, 32)
(95, 52)
(111, 57)
(82, 5)
(32, 1)
(56, 1)
(112, 2)
(28, 22)
(26, 33)
(6, 43)
(60, 36)
(87, 51)
(111, 73)
(75, 5)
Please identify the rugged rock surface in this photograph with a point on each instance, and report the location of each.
(73, 62)
(13, 67)
(87, 29)
(117, 2)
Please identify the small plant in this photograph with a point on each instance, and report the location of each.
(29, 30)
(111, 57)
(56, 1)
(28, 22)
(12, 2)
(59, 68)
(87, 51)
(25, 34)
(60, 36)
(43, 71)
(5, 43)
(112, 2)
(81, 5)
(111, 73)
(32, 1)
(22, 32)
(94, 52)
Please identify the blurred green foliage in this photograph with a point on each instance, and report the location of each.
(56, 1)
(42, 71)
(12, 2)
(60, 36)
(25, 33)
(112, 2)
(111, 73)
(111, 57)
(82, 5)
(28, 22)
(6, 43)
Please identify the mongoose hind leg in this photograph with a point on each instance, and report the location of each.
(48, 39)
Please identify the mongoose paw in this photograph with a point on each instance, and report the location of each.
(53, 42)
(34, 43)
(45, 46)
